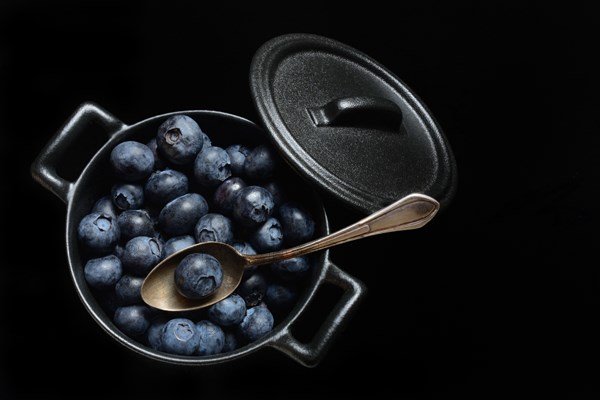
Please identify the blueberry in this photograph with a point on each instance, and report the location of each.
(179, 336)
(292, 269)
(198, 275)
(103, 272)
(141, 254)
(177, 243)
(257, 323)
(237, 155)
(155, 331)
(134, 223)
(131, 161)
(105, 205)
(230, 342)
(261, 163)
(165, 185)
(118, 250)
(127, 196)
(277, 191)
(180, 216)
(267, 237)
(128, 290)
(132, 320)
(225, 194)
(179, 139)
(229, 311)
(158, 162)
(297, 223)
(245, 248)
(252, 206)
(207, 141)
(98, 232)
(252, 289)
(212, 166)
(214, 227)
(212, 338)
(279, 297)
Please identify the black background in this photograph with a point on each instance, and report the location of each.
(498, 295)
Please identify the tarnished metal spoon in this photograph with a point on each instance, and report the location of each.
(159, 290)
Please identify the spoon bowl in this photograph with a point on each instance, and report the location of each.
(159, 289)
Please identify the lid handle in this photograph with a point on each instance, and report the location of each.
(358, 111)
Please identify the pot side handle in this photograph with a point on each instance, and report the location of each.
(310, 354)
(43, 168)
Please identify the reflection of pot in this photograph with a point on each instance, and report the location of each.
(80, 194)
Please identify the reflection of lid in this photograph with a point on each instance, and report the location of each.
(348, 124)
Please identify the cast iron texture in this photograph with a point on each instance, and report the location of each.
(348, 124)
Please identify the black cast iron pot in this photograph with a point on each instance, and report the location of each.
(79, 195)
(342, 121)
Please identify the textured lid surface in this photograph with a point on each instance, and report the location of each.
(348, 124)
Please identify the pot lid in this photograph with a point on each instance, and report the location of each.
(348, 124)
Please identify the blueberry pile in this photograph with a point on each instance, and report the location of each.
(178, 189)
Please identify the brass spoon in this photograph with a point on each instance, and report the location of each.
(159, 290)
